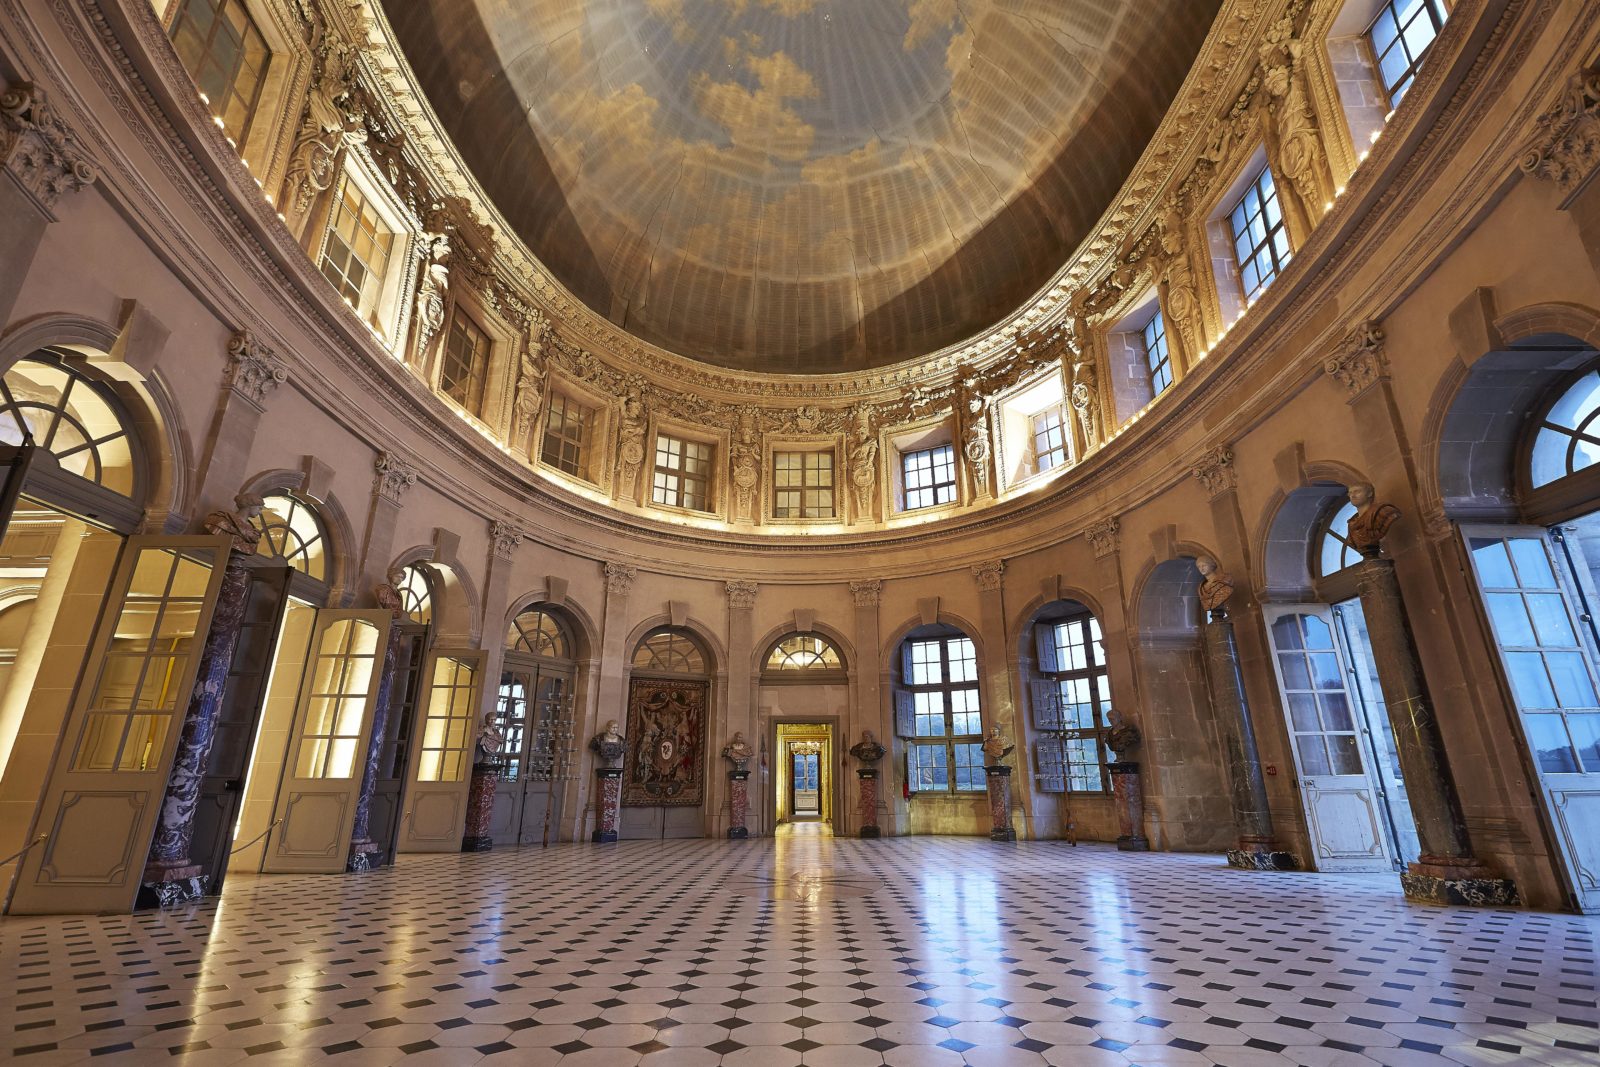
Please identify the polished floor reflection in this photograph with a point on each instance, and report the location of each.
(914, 952)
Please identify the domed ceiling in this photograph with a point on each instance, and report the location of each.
(801, 186)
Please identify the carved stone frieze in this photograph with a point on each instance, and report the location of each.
(988, 574)
(741, 595)
(1360, 361)
(1215, 470)
(867, 593)
(38, 149)
(1565, 146)
(394, 477)
(1105, 536)
(506, 538)
(619, 577)
(254, 371)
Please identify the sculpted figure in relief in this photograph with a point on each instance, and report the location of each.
(531, 374)
(863, 457)
(432, 288)
(1299, 143)
(1085, 394)
(972, 408)
(1182, 303)
(746, 464)
(630, 452)
(329, 126)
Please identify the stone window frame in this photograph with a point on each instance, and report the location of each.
(1013, 413)
(906, 730)
(1128, 356)
(574, 413)
(389, 317)
(929, 433)
(597, 465)
(714, 481)
(805, 446)
(1436, 18)
(475, 374)
(1227, 281)
(180, 12)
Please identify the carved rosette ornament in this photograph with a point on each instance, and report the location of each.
(741, 595)
(394, 477)
(38, 148)
(532, 372)
(253, 370)
(506, 537)
(1360, 361)
(1565, 149)
(868, 593)
(619, 577)
(1215, 471)
(987, 574)
(1105, 536)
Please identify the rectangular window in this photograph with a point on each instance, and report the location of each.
(1049, 440)
(802, 485)
(683, 473)
(566, 435)
(930, 476)
(1079, 676)
(1157, 355)
(1400, 37)
(225, 55)
(945, 750)
(356, 255)
(464, 367)
(1260, 243)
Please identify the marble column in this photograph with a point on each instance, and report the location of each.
(867, 801)
(738, 805)
(607, 803)
(363, 850)
(1000, 828)
(1448, 872)
(170, 876)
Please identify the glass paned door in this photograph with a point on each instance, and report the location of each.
(102, 798)
(1527, 594)
(535, 710)
(1341, 801)
(512, 707)
(443, 753)
(316, 806)
(805, 774)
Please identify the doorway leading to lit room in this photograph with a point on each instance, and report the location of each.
(804, 782)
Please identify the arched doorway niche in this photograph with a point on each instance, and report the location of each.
(805, 694)
(674, 729)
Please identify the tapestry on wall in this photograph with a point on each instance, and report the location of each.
(666, 744)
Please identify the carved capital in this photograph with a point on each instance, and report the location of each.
(1360, 361)
(1565, 145)
(619, 578)
(39, 150)
(1105, 536)
(1436, 524)
(506, 537)
(394, 477)
(987, 574)
(867, 593)
(254, 371)
(741, 594)
(1215, 470)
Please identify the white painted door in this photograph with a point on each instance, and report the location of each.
(104, 792)
(1549, 667)
(315, 811)
(1341, 799)
(442, 753)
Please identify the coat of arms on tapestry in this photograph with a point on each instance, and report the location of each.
(667, 736)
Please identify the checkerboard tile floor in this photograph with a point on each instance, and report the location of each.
(911, 952)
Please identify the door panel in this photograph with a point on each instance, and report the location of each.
(442, 754)
(511, 708)
(1336, 787)
(1527, 590)
(316, 806)
(104, 792)
(388, 795)
(245, 692)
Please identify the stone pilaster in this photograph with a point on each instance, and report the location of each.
(253, 374)
(1001, 708)
(393, 477)
(872, 714)
(611, 700)
(505, 538)
(740, 702)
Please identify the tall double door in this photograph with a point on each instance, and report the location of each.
(535, 710)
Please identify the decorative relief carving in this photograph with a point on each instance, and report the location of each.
(746, 457)
(433, 286)
(972, 411)
(863, 458)
(507, 537)
(1105, 536)
(1215, 470)
(333, 121)
(1085, 396)
(741, 595)
(1565, 147)
(630, 441)
(1360, 361)
(867, 593)
(38, 148)
(394, 476)
(1437, 525)
(532, 372)
(987, 574)
(619, 578)
(253, 370)
(1300, 155)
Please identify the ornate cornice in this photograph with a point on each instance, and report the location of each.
(1565, 146)
(38, 149)
(1105, 536)
(506, 538)
(619, 577)
(987, 574)
(867, 593)
(394, 477)
(1360, 361)
(254, 370)
(1215, 470)
(741, 595)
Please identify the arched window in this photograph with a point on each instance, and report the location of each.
(669, 651)
(1071, 698)
(1335, 552)
(70, 417)
(804, 652)
(291, 530)
(1567, 440)
(416, 594)
(539, 633)
(937, 712)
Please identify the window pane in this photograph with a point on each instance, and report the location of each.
(1510, 618)
(1547, 735)
(1571, 678)
(1529, 681)
(1550, 619)
(1585, 730)
(1493, 563)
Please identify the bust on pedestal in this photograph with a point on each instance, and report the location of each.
(609, 746)
(869, 752)
(995, 749)
(739, 754)
(485, 776)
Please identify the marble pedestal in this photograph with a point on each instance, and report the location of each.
(1000, 804)
(1432, 880)
(1261, 854)
(480, 808)
(1127, 791)
(738, 805)
(608, 804)
(867, 801)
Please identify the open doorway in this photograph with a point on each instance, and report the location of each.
(804, 783)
